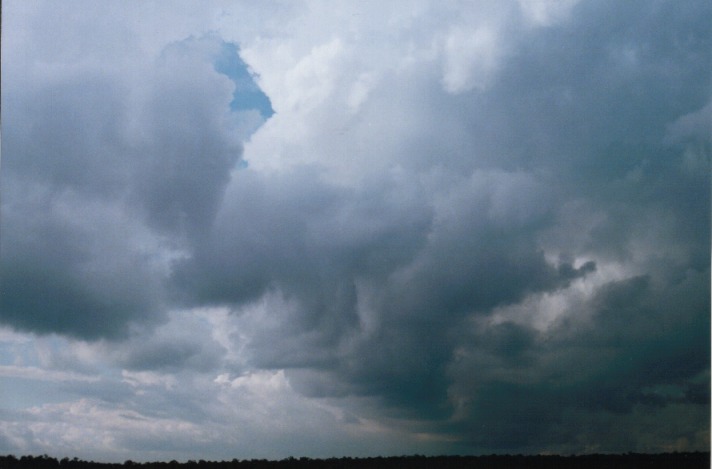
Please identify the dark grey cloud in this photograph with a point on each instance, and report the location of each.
(174, 355)
(105, 177)
(303, 236)
(520, 265)
(645, 349)
(187, 150)
(579, 116)
(71, 266)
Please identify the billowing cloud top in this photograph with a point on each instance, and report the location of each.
(232, 230)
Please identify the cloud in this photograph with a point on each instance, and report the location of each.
(108, 178)
(74, 266)
(629, 347)
(464, 228)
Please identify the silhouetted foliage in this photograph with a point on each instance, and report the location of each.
(590, 461)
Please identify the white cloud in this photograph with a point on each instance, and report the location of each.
(472, 57)
(42, 374)
(695, 125)
(546, 12)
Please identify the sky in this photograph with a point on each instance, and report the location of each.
(235, 229)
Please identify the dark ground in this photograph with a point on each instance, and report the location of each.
(622, 461)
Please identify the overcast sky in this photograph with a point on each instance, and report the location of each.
(314, 228)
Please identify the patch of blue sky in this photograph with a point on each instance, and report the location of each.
(247, 95)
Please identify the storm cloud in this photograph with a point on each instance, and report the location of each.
(430, 228)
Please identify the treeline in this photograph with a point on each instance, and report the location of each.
(618, 461)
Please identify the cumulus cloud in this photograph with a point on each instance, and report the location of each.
(108, 178)
(439, 228)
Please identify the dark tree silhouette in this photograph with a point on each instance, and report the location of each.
(591, 461)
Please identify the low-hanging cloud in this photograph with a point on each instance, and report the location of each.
(106, 180)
